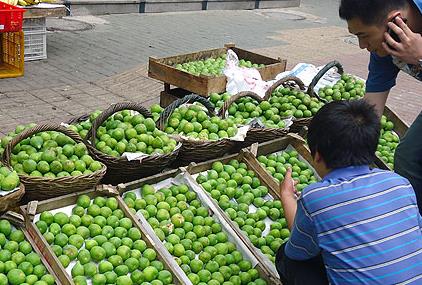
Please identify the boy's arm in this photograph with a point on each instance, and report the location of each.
(302, 244)
(288, 195)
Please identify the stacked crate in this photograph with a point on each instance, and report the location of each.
(35, 38)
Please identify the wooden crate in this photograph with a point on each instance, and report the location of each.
(274, 146)
(163, 69)
(248, 156)
(169, 96)
(400, 128)
(213, 209)
(18, 222)
(34, 208)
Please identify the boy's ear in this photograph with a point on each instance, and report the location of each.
(318, 157)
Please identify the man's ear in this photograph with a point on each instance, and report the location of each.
(393, 14)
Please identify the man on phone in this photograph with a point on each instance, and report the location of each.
(391, 31)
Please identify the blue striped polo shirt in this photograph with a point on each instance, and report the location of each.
(365, 223)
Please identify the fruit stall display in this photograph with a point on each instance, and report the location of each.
(171, 71)
(91, 237)
(129, 143)
(21, 261)
(203, 134)
(50, 161)
(194, 230)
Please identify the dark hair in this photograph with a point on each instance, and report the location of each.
(370, 12)
(345, 133)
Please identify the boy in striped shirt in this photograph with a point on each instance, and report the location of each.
(358, 225)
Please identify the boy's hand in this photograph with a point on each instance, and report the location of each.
(409, 49)
(287, 186)
(289, 195)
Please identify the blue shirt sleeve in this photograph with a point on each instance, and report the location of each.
(302, 244)
(382, 74)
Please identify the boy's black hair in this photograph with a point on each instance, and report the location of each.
(370, 12)
(345, 133)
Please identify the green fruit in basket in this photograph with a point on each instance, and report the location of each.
(46, 155)
(347, 88)
(132, 133)
(10, 182)
(16, 276)
(194, 122)
(29, 166)
(80, 280)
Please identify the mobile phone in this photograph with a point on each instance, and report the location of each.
(392, 33)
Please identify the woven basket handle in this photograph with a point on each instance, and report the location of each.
(92, 132)
(320, 74)
(79, 119)
(192, 98)
(282, 81)
(32, 131)
(223, 111)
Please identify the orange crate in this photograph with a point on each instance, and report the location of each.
(12, 54)
(11, 18)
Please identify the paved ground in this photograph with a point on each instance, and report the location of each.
(95, 61)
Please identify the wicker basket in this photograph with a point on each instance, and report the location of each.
(12, 200)
(320, 74)
(195, 150)
(261, 135)
(119, 169)
(41, 188)
(291, 82)
(300, 124)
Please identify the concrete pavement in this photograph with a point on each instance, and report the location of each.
(95, 61)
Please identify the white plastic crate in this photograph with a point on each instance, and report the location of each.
(34, 25)
(35, 46)
(35, 38)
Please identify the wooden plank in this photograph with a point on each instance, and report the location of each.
(173, 76)
(71, 199)
(154, 242)
(124, 187)
(400, 127)
(255, 57)
(20, 226)
(163, 69)
(47, 253)
(44, 12)
(198, 55)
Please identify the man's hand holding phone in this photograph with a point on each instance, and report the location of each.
(407, 45)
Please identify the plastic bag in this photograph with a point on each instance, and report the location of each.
(242, 78)
(306, 72)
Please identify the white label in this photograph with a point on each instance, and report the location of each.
(1, 27)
